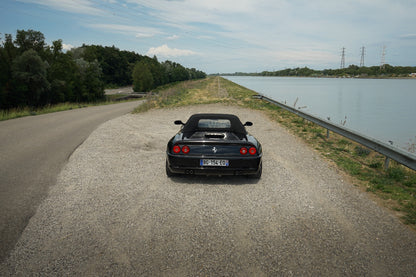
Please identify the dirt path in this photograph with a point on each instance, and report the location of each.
(114, 212)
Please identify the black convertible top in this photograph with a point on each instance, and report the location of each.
(191, 126)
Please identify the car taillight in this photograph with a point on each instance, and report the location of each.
(185, 149)
(252, 150)
(176, 149)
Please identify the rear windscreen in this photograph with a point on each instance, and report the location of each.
(214, 124)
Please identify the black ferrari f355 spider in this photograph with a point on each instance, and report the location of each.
(214, 144)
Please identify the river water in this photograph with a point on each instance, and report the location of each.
(384, 109)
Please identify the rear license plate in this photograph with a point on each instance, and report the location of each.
(206, 162)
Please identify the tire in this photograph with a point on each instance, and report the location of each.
(259, 172)
(168, 172)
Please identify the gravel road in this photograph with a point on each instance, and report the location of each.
(113, 212)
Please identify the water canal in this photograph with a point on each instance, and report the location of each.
(384, 109)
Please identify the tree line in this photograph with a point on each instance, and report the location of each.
(35, 74)
(350, 71)
(123, 68)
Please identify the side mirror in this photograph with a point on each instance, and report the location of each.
(248, 123)
(179, 122)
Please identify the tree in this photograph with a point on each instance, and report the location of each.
(93, 82)
(29, 76)
(61, 75)
(114, 63)
(118, 66)
(57, 47)
(179, 73)
(8, 53)
(142, 77)
(34, 73)
(30, 39)
(88, 85)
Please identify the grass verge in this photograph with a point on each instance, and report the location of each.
(394, 188)
(27, 111)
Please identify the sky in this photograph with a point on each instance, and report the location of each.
(226, 36)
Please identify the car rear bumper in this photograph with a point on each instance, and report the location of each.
(191, 165)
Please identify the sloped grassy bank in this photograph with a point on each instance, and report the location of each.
(394, 188)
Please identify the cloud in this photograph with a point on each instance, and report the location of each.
(72, 6)
(165, 51)
(136, 31)
(67, 47)
(173, 37)
(250, 34)
(408, 36)
(142, 35)
(258, 21)
(303, 57)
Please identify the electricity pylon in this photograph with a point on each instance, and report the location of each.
(383, 58)
(362, 56)
(343, 58)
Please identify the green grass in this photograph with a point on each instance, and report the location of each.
(22, 112)
(396, 187)
(27, 111)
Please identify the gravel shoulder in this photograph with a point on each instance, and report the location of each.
(114, 212)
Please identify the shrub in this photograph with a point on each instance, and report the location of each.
(375, 165)
(361, 151)
(396, 173)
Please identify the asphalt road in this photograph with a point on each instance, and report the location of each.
(114, 212)
(33, 151)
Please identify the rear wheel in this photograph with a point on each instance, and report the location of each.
(168, 172)
(258, 174)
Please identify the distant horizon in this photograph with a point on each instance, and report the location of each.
(221, 36)
(279, 70)
(65, 49)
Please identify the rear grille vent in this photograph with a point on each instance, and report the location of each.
(214, 135)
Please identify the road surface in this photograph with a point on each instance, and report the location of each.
(113, 212)
(32, 152)
(123, 90)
